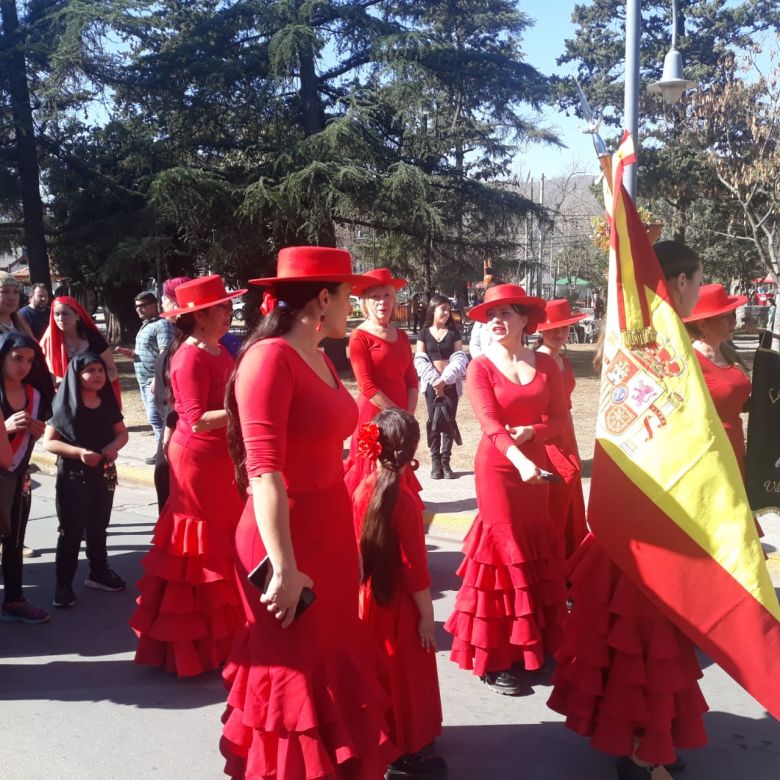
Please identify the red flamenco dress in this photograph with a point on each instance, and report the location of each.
(387, 367)
(625, 671)
(730, 389)
(412, 675)
(512, 604)
(305, 701)
(567, 505)
(189, 608)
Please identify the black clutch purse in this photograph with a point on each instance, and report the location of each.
(260, 576)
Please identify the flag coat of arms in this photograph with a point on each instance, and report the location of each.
(667, 502)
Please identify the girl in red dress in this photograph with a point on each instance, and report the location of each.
(567, 505)
(395, 599)
(381, 358)
(189, 608)
(305, 697)
(711, 326)
(627, 677)
(510, 609)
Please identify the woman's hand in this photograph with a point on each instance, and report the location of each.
(283, 594)
(529, 472)
(18, 421)
(37, 427)
(427, 629)
(521, 433)
(109, 452)
(89, 458)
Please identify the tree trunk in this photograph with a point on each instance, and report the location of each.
(313, 115)
(26, 150)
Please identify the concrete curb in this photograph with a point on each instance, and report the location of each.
(137, 476)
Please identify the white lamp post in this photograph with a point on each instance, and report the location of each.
(671, 86)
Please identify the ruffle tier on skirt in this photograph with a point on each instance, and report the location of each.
(188, 612)
(624, 670)
(328, 721)
(512, 604)
(189, 608)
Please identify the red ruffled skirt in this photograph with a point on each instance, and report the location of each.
(189, 609)
(512, 604)
(412, 674)
(624, 670)
(567, 504)
(307, 701)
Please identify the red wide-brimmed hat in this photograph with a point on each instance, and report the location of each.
(200, 294)
(508, 293)
(382, 277)
(714, 301)
(559, 315)
(314, 264)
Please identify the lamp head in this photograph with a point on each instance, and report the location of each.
(673, 82)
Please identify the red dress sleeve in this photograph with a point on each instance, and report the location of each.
(554, 420)
(264, 390)
(362, 365)
(479, 388)
(193, 385)
(410, 374)
(407, 522)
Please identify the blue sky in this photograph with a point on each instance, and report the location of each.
(543, 44)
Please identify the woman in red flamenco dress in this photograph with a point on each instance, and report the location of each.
(395, 598)
(711, 325)
(381, 357)
(189, 607)
(627, 677)
(510, 609)
(567, 505)
(305, 698)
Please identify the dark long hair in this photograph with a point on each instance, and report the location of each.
(675, 258)
(399, 434)
(438, 300)
(292, 297)
(184, 327)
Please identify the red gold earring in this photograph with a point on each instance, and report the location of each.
(319, 324)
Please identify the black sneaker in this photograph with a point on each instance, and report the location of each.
(503, 682)
(63, 596)
(105, 580)
(417, 765)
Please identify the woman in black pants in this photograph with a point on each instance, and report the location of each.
(441, 365)
(25, 398)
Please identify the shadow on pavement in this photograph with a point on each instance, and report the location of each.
(739, 747)
(460, 505)
(121, 682)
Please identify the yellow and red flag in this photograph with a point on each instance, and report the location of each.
(667, 501)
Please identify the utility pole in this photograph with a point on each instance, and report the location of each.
(631, 94)
(540, 266)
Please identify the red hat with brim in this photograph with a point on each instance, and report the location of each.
(201, 293)
(382, 277)
(315, 264)
(512, 294)
(559, 315)
(714, 301)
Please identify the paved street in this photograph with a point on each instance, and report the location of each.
(75, 707)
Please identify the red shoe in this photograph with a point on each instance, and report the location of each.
(23, 612)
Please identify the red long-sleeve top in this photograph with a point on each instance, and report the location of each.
(497, 401)
(382, 365)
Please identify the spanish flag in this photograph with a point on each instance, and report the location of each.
(667, 501)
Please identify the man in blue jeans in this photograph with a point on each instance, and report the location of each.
(154, 335)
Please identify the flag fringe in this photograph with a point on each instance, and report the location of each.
(642, 337)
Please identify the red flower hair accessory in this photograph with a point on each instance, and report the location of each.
(368, 442)
(269, 303)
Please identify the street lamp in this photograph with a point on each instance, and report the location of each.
(673, 82)
(671, 86)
